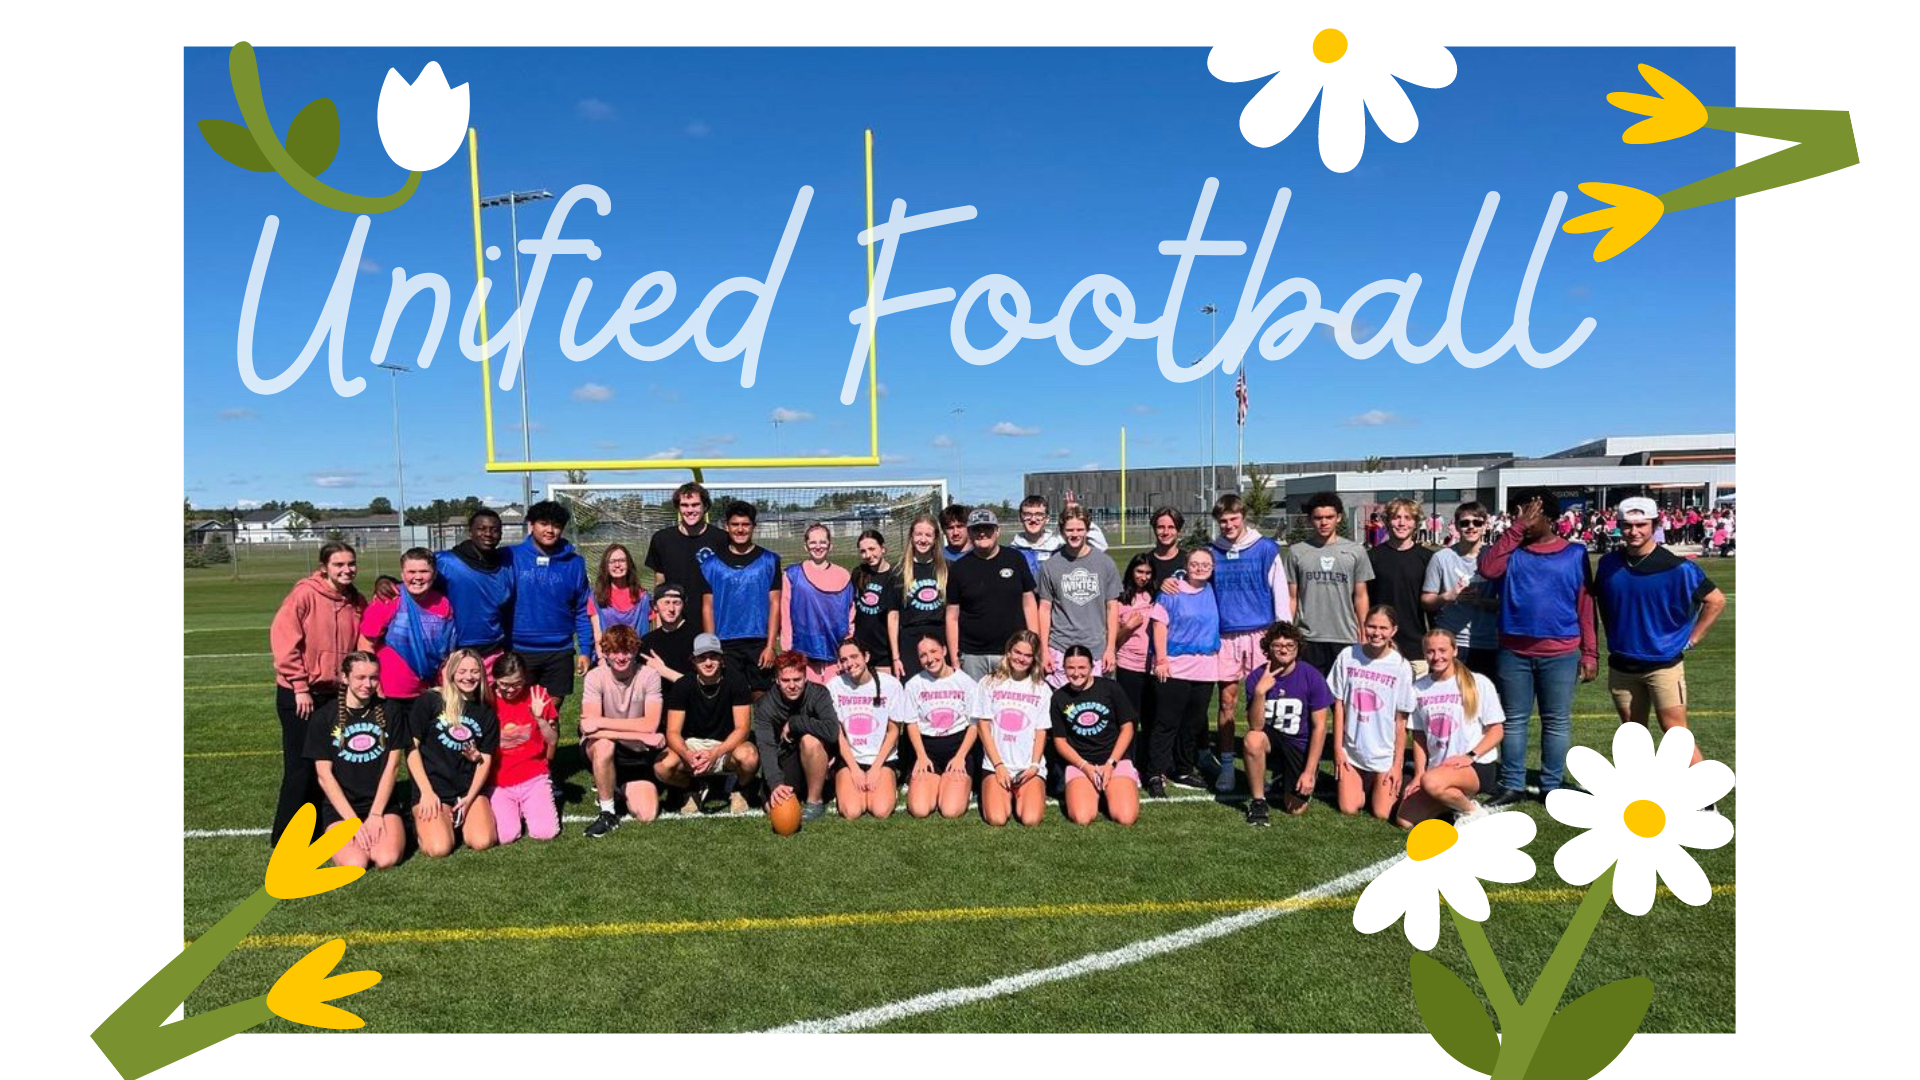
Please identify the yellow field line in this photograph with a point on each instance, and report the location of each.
(856, 919)
(231, 753)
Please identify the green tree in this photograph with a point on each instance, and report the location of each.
(1259, 493)
(380, 505)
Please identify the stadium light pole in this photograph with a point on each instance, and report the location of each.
(512, 200)
(959, 459)
(776, 435)
(394, 371)
(1212, 312)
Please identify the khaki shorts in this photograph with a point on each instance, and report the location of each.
(1662, 689)
(720, 762)
(1419, 667)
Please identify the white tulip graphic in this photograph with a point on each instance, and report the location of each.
(421, 124)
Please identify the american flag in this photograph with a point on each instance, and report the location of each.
(1240, 395)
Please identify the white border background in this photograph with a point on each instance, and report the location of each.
(95, 130)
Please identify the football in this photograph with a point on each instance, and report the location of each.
(785, 817)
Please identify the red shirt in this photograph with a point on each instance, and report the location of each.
(522, 762)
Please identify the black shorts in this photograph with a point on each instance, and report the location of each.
(1320, 655)
(1489, 774)
(743, 656)
(942, 748)
(551, 671)
(630, 765)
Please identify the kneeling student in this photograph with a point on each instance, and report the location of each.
(455, 738)
(869, 706)
(709, 718)
(353, 757)
(798, 734)
(1372, 688)
(1011, 705)
(939, 724)
(1457, 724)
(1094, 722)
(522, 788)
(620, 715)
(1287, 703)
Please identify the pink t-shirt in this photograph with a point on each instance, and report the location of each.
(397, 680)
(1131, 655)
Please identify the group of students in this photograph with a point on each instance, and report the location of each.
(968, 669)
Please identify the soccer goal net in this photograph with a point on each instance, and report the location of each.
(630, 513)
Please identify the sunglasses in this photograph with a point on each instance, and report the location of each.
(1471, 523)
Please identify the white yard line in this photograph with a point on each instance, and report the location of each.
(1086, 965)
(225, 655)
(225, 629)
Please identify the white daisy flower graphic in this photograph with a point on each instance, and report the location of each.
(1352, 74)
(1642, 811)
(1445, 861)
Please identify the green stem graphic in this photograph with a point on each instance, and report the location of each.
(137, 1039)
(245, 74)
(1521, 1037)
(1487, 966)
(1825, 144)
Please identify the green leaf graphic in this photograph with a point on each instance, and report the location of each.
(1584, 1037)
(1454, 1015)
(235, 143)
(314, 136)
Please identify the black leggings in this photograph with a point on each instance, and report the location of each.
(298, 783)
(1178, 720)
(1138, 686)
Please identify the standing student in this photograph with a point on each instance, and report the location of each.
(1456, 724)
(953, 523)
(354, 747)
(1186, 648)
(1133, 633)
(923, 594)
(1079, 600)
(1547, 640)
(710, 728)
(869, 704)
(522, 789)
(1329, 575)
(550, 598)
(1458, 598)
(1656, 607)
(621, 731)
(1034, 541)
(411, 634)
(676, 553)
(317, 625)
(816, 606)
(618, 598)
(1372, 688)
(1250, 585)
(478, 578)
(1287, 705)
(742, 604)
(1399, 573)
(1093, 724)
(1167, 558)
(876, 604)
(990, 595)
(797, 732)
(938, 722)
(1012, 706)
(454, 738)
(668, 647)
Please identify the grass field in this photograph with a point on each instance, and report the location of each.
(715, 924)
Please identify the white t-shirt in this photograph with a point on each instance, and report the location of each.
(940, 706)
(864, 722)
(1439, 713)
(1013, 711)
(1372, 691)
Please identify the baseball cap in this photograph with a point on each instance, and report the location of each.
(706, 643)
(982, 516)
(669, 589)
(1639, 506)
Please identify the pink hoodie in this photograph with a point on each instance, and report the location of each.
(315, 628)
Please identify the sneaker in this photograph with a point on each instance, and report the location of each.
(737, 803)
(1187, 780)
(1156, 787)
(812, 812)
(1257, 813)
(1712, 808)
(713, 799)
(1504, 797)
(601, 825)
(1225, 782)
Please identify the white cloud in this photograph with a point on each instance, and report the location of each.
(239, 414)
(699, 129)
(1090, 466)
(595, 109)
(1007, 427)
(1142, 409)
(724, 438)
(943, 441)
(605, 444)
(894, 459)
(246, 504)
(335, 480)
(784, 415)
(669, 454)
(1062, 452)
(1373, 418)
(882, 387)
(593, 391)
(368, 266)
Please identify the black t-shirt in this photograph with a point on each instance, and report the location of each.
(678, 556)
(872, 600)
(1397, 578)
(988, 593)
(673, 647)
(1090, 720)
(709, 709)
(1166, 568)
(441, 740)
(924, 608)
(357, 742)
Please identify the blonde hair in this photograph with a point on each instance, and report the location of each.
(453, 701)
(938, 555)
(1004, 671)
(1462, 675)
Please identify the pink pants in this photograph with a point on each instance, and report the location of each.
(530, 799)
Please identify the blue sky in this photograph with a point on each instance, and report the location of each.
(1079, 161)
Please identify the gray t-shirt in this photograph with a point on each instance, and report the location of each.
(1472, 627)
(1326, 577)
(1079, 589)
